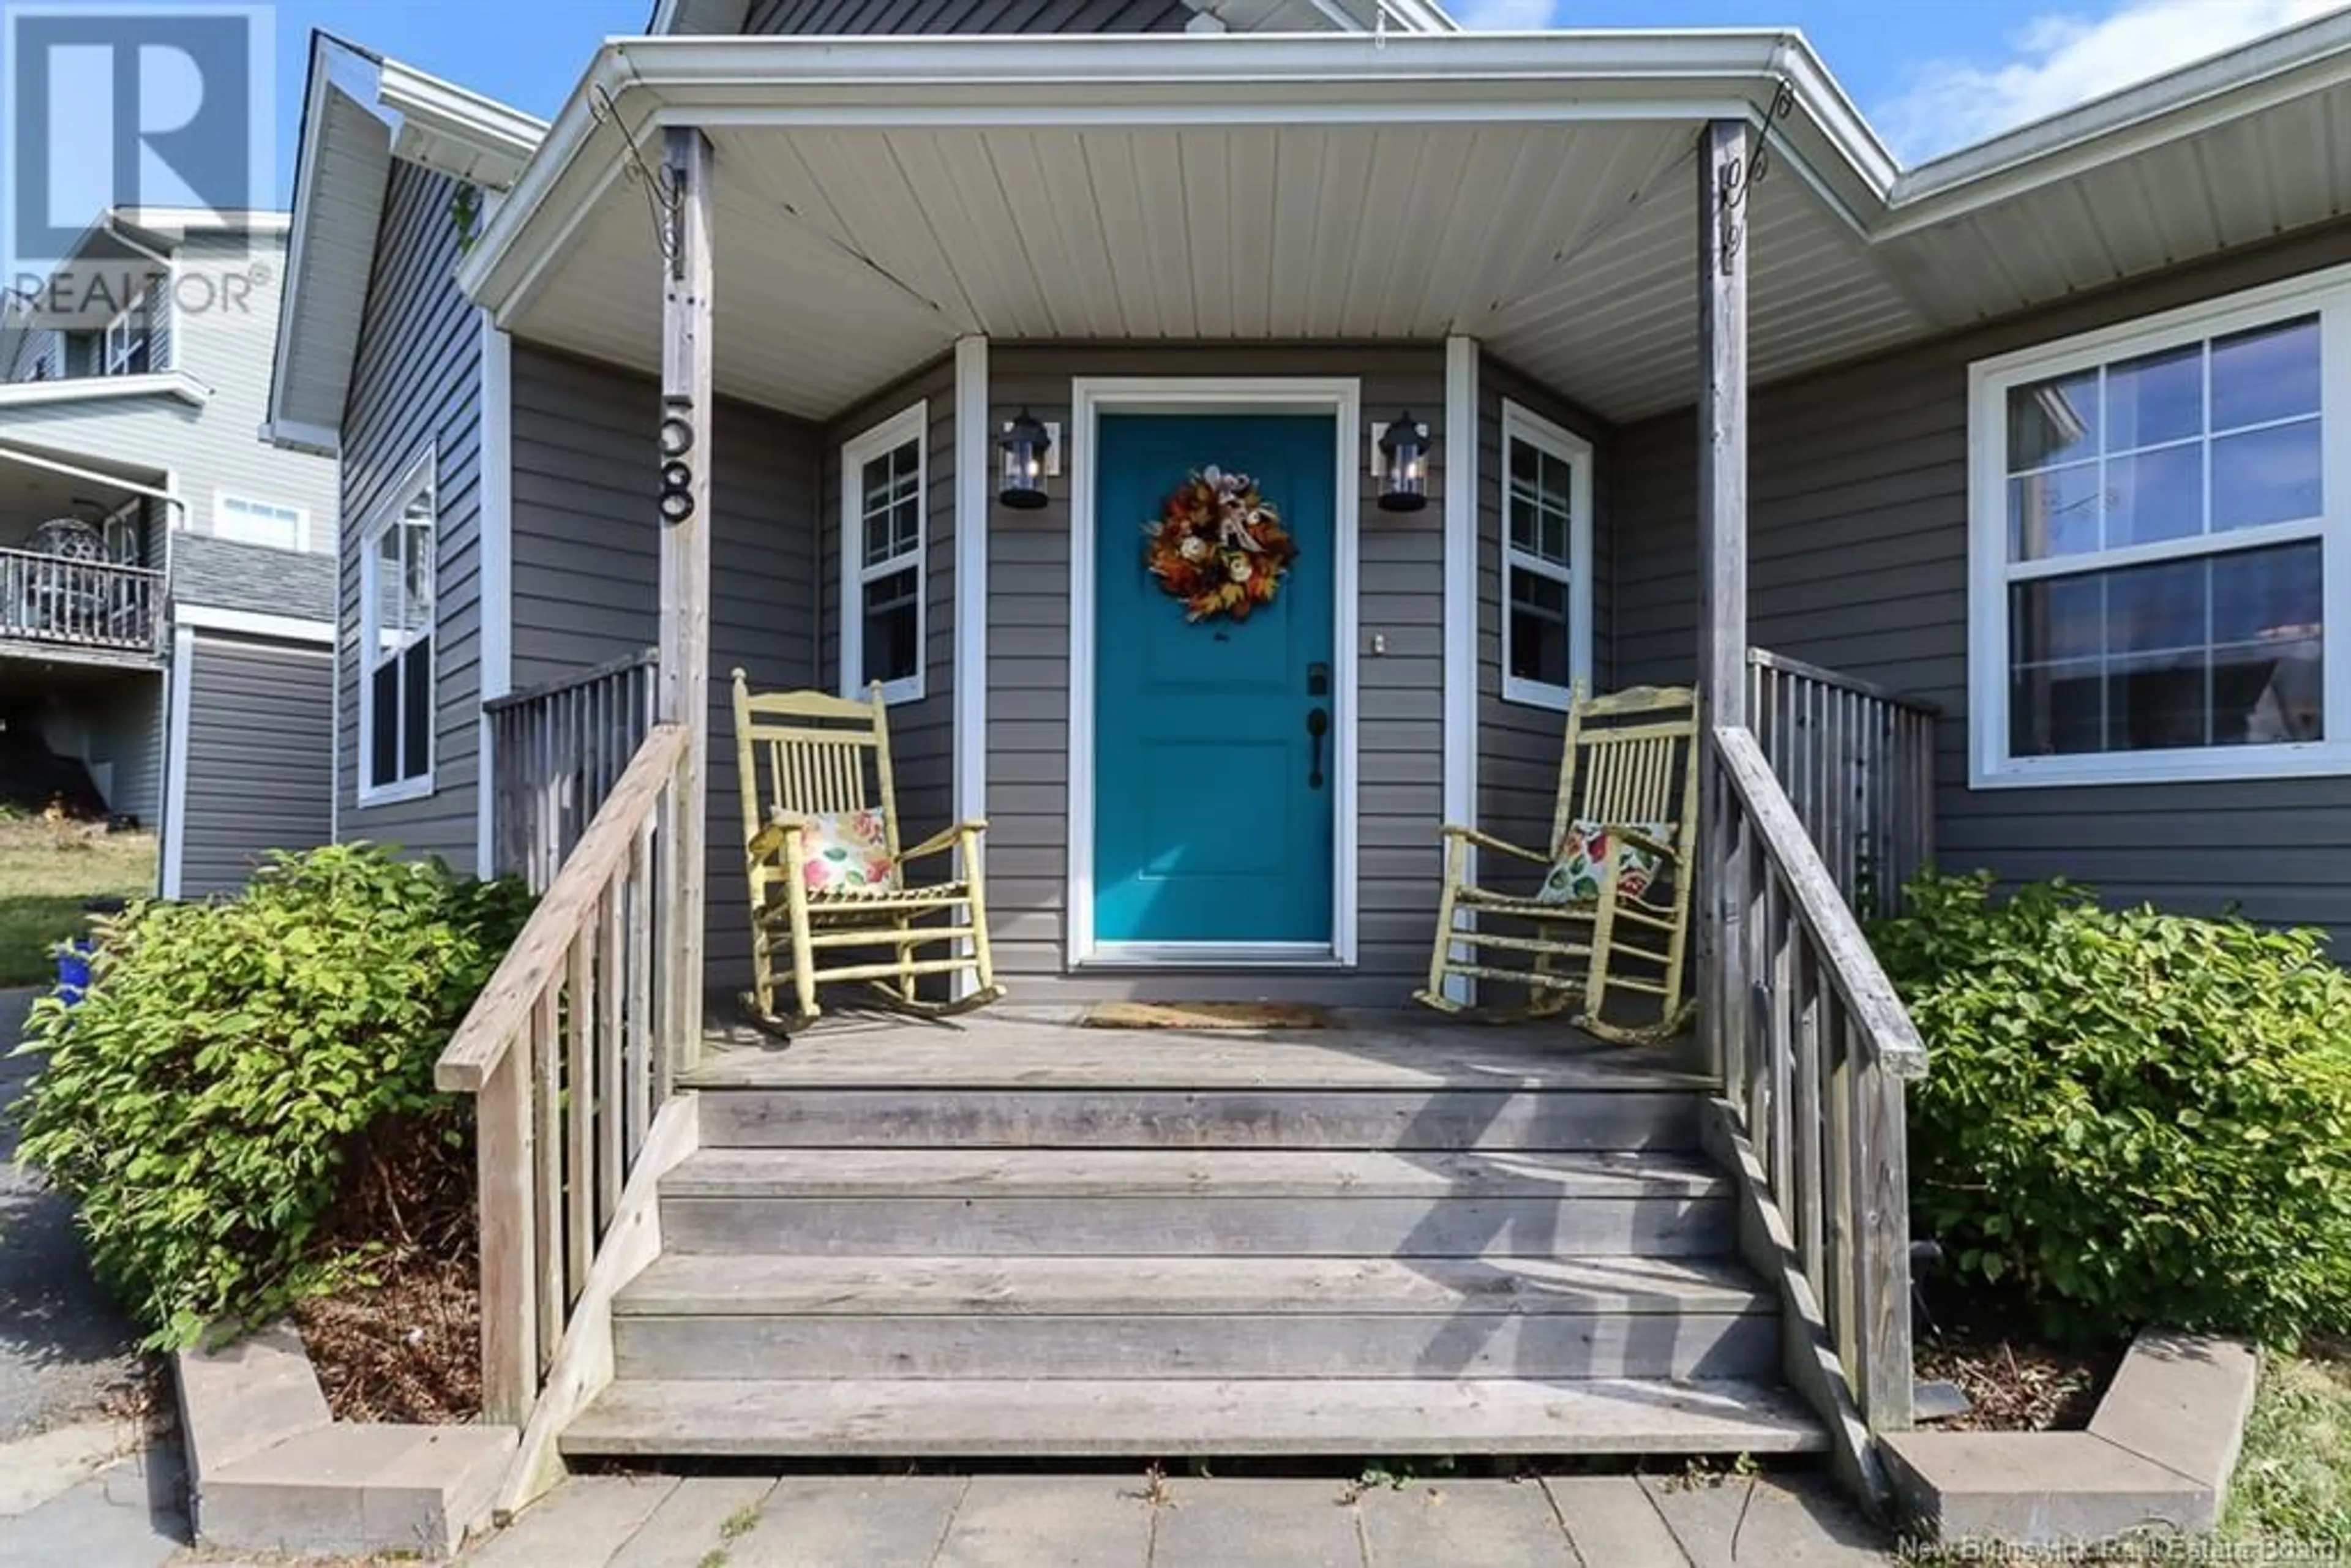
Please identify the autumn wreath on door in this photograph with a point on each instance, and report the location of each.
(1218, 546)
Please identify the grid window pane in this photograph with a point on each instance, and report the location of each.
(2155, 496)
(2054, 513)
(1538, 642)
(2221, 650)
(892, 502)
(2051, 422)
(1540, 503)
(2270, 374)
(2268, 476)
(2154, 399)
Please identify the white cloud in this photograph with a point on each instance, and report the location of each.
(1505, 15)
(2063, 58)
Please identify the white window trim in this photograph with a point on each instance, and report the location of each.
(420, 478)
(912, 423)
(1521, 423)
(1990, 766)
(222, 498)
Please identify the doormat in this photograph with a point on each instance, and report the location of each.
(1208, 1015)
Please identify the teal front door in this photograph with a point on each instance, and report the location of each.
(1214, 740)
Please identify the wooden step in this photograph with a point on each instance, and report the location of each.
(1191, 1317)
(1443, 1117)
(1121, 1202)
(1292, 1174)
(990, 1052)
(1151, 1418)
(720, 1284)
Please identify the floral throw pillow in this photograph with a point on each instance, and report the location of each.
(847, 851)
(1575, 876)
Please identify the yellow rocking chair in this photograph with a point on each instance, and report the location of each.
(1611, 912)
(825, 871)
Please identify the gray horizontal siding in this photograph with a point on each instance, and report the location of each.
(416, 389)
(258, 762)
(844, 16)
(1858, 539)
(922, 733)
(1518, 746)
(587, 567)
(1400, 727)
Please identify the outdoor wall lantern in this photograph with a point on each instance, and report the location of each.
(1026, 447)
(1403, 466)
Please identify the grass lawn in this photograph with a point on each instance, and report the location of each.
(46, 870)
(2293, 1483)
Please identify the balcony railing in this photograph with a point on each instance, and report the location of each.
(85, 604)
(1857, 762)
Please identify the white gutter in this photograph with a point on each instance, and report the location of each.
(92, 477)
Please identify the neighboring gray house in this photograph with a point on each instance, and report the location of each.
(166, 576)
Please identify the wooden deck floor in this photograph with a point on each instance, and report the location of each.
(1012, 1047)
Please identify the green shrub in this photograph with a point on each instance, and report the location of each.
(207, 1102)
(2137, 1117)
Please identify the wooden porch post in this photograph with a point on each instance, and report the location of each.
(1723, 177)
(685, 690)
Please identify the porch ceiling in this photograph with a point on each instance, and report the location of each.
(844, 257)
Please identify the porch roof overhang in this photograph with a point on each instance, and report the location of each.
(877, 198)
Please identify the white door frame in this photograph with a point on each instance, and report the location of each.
(1092, 397)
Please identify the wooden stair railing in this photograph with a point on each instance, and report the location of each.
(1816, 1047)
(566, 1055)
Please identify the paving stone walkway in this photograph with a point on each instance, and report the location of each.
(1105, 1521)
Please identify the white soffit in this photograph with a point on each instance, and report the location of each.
(844, 258)
(880, 197)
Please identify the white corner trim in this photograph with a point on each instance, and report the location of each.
(1342, 398)
(2326, 294)
(910, 423)
(497, 575)
(973, 441)
(1462, 484)
(253, 623)
(175, 758)
(1522, 423)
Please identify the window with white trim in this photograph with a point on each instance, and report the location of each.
(2158, 536)
(884, 480)
(259, 522)
(1546, 561)
(396, 571)
(127, 343)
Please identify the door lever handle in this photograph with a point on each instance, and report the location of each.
(1318, 725)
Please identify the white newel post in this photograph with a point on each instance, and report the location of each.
(684, 520)
(1725, 172)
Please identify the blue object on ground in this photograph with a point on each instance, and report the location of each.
(73, 969)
